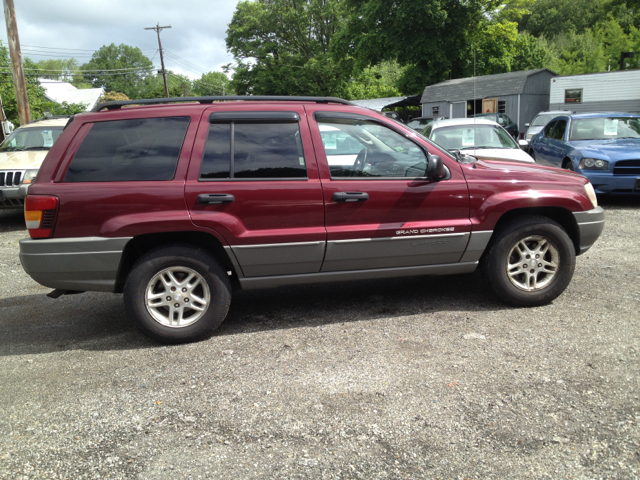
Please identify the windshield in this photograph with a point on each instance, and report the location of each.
(419, 123)
(473, 136)
(602, 128)
(32, 138)
(542, 120)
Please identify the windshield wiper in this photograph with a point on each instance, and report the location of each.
(37, 148)
(463, 157)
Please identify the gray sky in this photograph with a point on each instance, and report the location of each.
(76, 28)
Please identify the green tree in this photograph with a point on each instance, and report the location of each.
(574, 53)
(281, 47)
(153, 86)
(549, 18)
(112, 57)
(64, 69)
(433, 39)
(530, 53)
(375, 82)
(38, 104)
(495, 47)
(212, 84)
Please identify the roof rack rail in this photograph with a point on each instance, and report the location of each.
(117, 104)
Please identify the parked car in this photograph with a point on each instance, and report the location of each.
(176, 204)
(538, 123)
(418, 123)
(476, 136)
(604, 147)
(21, 155)
(501, 119)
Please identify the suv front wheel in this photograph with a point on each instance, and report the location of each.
(177, 294)
(531, 262)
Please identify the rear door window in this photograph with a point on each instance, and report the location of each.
(559, 129)
(246, 150)
(129, 150)
(548, 129)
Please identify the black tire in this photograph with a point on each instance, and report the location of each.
(182, 262)
(532, 154)
(515, 287)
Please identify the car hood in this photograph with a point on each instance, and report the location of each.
(22, 160)
(520, 172)
(515, 154)
(623, 149)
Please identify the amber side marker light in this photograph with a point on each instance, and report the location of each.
(39, 215)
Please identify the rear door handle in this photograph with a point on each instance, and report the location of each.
(215, 198)
(350, 197)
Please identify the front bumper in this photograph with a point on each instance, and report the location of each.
(13, 197)
(608, 183)
(590, 226)
(84, 264)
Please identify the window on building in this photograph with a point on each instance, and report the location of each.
(573, 95)
(129, 150)
(502, 106)
(435, 111)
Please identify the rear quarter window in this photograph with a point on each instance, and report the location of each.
(129, 150)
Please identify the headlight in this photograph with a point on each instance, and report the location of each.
(528, 137)
(29, 176)
(593, 164)
(591, 193)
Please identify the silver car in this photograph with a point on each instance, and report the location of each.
(538, 123)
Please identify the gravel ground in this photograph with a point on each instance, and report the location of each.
(411, 378)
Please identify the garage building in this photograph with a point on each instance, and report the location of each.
(519, 95)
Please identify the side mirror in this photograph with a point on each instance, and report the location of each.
(435, 168)
(526, 125)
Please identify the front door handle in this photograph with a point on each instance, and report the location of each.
(215, 198)
(350, 197)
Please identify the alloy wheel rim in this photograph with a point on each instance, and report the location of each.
(533, 263)
(177, 297)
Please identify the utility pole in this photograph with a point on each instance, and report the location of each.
(19, 82)
(158, 29)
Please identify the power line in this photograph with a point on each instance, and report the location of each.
(98, 70)
(70, 49)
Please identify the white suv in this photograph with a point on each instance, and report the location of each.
(21, 155)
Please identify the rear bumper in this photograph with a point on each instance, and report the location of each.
(590, 226)
(87, 263)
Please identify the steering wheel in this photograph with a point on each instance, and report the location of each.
(358, 165)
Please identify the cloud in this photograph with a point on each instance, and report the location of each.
(194, 44)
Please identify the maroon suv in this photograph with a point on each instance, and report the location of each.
(175, 203)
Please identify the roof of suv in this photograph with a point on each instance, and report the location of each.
(118, 104)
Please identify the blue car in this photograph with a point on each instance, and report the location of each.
(604, 147)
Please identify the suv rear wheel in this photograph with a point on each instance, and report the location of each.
(177, 294)
(531, 262)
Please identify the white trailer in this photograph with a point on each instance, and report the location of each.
(597, 92)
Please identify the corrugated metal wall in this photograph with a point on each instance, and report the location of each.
(598, 87)
(530, 106)
(630, 106)
(427, 109)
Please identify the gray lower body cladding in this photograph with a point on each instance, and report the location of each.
(87, 263)
(590, 226)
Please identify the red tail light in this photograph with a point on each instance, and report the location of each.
(40, 215)
(521, 135)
